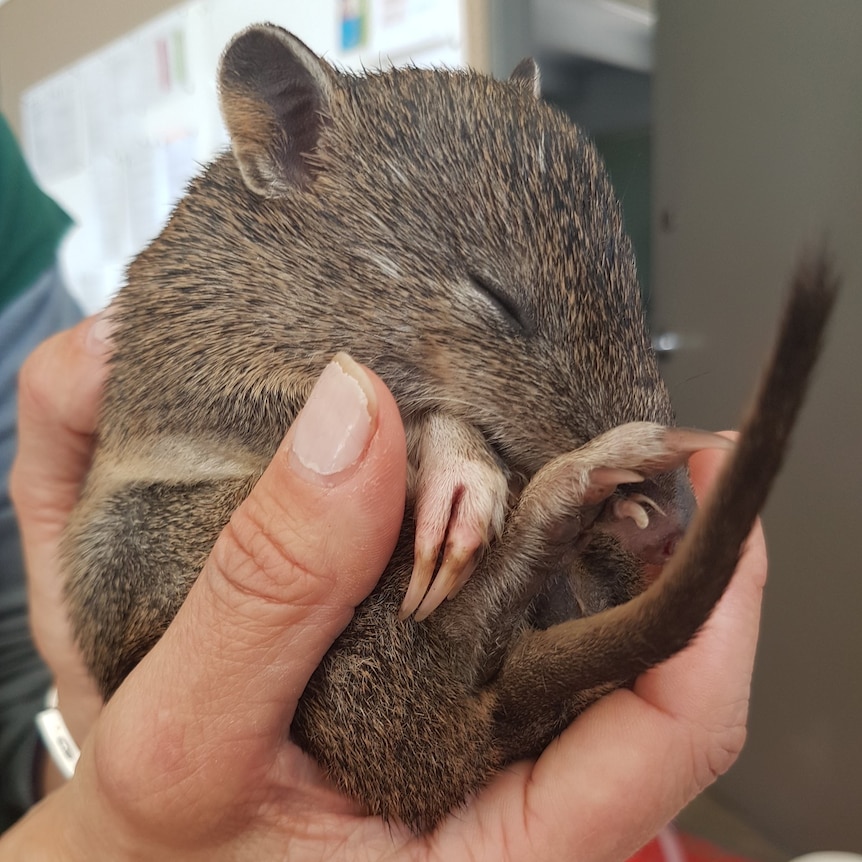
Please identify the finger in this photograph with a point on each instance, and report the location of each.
(282, 582)
(59, 390)
(60, 387)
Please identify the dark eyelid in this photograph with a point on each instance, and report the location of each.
(509, 308)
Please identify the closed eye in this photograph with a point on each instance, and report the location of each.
(510, 310)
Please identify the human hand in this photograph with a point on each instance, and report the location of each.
(58, 396)
(189, 759)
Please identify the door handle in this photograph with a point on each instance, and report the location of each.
(665, 344)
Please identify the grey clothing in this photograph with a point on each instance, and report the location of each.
(40, 311)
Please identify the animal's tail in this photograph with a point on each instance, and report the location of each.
(697, 575)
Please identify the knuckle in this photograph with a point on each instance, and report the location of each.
(721, 755)
(265, 555)
(19, 488)
(717, 747)
(37, 378)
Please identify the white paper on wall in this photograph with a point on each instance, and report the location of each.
(116, 137)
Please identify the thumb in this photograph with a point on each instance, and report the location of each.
(216, 695)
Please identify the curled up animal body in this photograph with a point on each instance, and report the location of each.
(462, 239)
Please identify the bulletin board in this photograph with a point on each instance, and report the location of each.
(116, 136)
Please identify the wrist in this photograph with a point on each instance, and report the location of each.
(74, 824)
(46, 833)
(63, 726)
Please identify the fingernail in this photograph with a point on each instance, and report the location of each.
(98, 339)
(336, 424)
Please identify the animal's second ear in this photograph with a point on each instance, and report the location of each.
(526, 74)
(275, 95)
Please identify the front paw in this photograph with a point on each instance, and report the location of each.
(568, 492)
(461, 500)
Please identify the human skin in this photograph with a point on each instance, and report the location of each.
(189, 759)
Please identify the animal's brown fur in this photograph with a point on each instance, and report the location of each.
(462, 239)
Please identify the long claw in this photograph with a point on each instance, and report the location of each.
(691, 440)
(465, 575)
(613, 476)
(679, 444)
(604, 481)
(448, 578)
(423, 572)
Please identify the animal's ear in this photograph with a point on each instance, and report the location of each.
(527, 74)
(275, 95)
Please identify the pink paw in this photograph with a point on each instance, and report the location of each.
(461, 498)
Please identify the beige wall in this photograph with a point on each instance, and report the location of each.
(39, 37)
(758, 136)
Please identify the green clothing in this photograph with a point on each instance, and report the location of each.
(31, 223)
